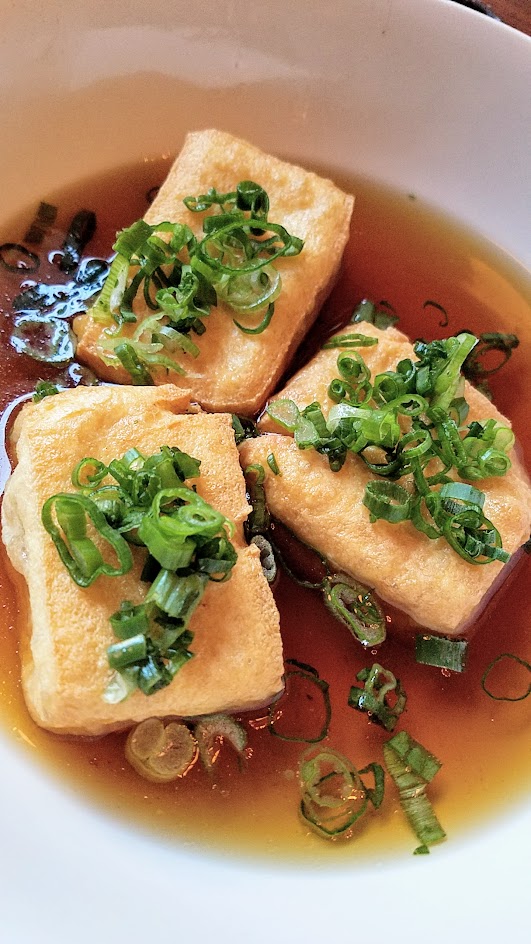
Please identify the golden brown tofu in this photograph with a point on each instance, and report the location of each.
(236, 371)
(424, 578)
(237, 661)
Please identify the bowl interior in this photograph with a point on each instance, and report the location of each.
(425, 96)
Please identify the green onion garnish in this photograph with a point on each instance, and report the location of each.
(258, 520)
(262, 325)
(181, 278)
(273, 464)
(213, 731)
(16, 258)
(412, 768)
(378, 316)
(350, 340)
(161, 752)
(304, 678)
(444, 653)
(412, 422)
(479, 364)
(334, 796)
(43, 389)
(187, 544)
(355, 606)
(80, 231)
(44, 338)
(243, 427)
(516, 659)
(77, 551)
(285, 413)
(267, 557)
(379, 686)
(129, 620)
(375, 793)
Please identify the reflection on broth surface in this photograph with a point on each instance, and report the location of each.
(438, 279)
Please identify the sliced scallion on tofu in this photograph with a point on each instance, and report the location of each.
(411, 422)
(143, 500)
(181, 277)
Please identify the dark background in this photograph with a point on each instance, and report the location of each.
(516, 13)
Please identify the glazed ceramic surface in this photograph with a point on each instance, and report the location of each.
(423, 95)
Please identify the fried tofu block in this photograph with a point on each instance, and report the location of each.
(237, 661)
(424, 578)
(235, 371)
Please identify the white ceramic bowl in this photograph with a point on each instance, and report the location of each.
(420, 94)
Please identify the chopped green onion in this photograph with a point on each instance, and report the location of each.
(244, 428)
(262, 325)
(273, 464)
(379, 317)
(98, 471)
(356, 607)
(121, 685)
(176, 595)
(78, 553)
(333, 794)
(378, 685)
(80, 231)
(212, 731)
(187, 544)
(43, 389)
(285, 413)
(44, 338)
(181, 278)
(258, 520)
(387, 500)
(412, 768)
(127, 652)
(376, 793)
(16, 258)
(267, 557)
(161, 752)
(129, 620)
(505, 655)
(171, 553)
(300, 677)
(475, 369)
(350, 340)
(444, 653)
(368, 419)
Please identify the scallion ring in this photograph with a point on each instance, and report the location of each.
(355, 606)
(295, 675)
(387, 500)
(78, 553)
(514, 658)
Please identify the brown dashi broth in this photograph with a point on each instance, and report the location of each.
(439, 279)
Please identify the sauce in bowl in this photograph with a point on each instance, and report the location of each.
(439, 279)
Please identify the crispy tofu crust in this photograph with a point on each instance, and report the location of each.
(234, 371)
(237, 649)
(424, 578)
